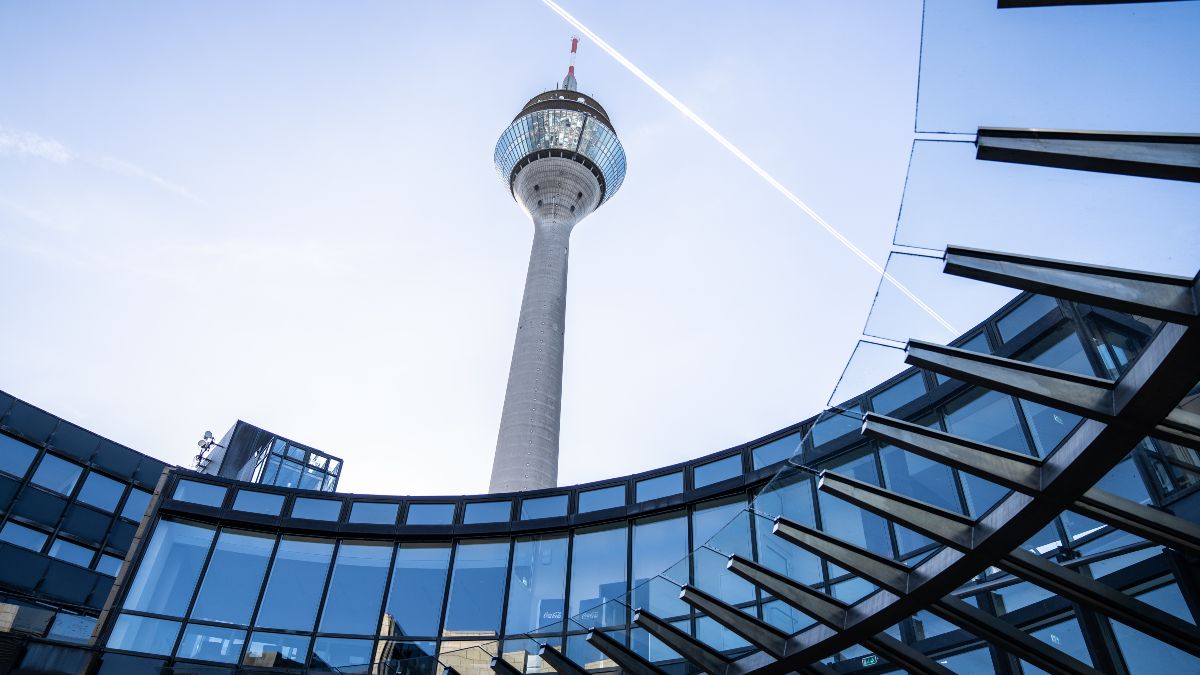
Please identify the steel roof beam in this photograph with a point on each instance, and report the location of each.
(947, 527)
(501, 667)
(881, 571)
(559, 662)
(630, 662)
(1148, 155)
(758, 633)
(692, 650)
(1144, 521)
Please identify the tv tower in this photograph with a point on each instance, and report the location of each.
(561, 160)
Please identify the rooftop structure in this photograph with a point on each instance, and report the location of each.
(560, 159)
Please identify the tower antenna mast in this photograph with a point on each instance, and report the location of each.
(569, 81)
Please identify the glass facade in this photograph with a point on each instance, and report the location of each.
(562, 130)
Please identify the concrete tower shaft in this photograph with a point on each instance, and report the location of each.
(557, 193)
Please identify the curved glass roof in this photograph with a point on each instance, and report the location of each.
(562, 130)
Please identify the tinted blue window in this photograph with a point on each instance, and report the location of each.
(210, 643)
(721, 525)
(1065, 636)
(544, 507)
(1061, 349)
(988, 417)
(72, 553)
(978, 343)
(143, 634)
(537, 585)
(195, 492)
(23, 536)
(135, 504)
(170, 568)
(340, 655)
(108, 564)
(661, 486)
(715, 472)
(234, 577)
(72, 628)
(258, 502)
(15, 456)
(57, 474)
(356, 589)
(851, 523)
(777, 450)
(898, 394)
(789, 495)
(430, 514)
(294, 588)
(602, 498)
(414, 603)
(919, 478)
(279, 650)
(659, 543)
(598, 576)
(835, 424)
(316, 509)
(373, 512)
(1144, 654)
(477, 588)
(101, 492)
(487, 512)
(976, 661)
(1024, 315)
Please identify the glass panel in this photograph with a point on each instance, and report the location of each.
(265, 503)
(101, 491)
(136, 503)
(660, 486)
(414, 604)
(721, 528)
(988, 417)
(108, 564)
(544, 507)
(289, 474)
(408, 658)
(976, 662)
(1025, 315)
(717, 636)
(1049, 426)
(143, 634)
(476, 588)
(1067, 637)
(849, 522)
(537, 586)
(210, 643)
(1146, 656)
(919, 478)
(335, 465)
(659, 543)
(267, 650)
(199, 493)
(715, 472)
(582, 652)
(316, 509)
(777, 450)
(295, 453)
(1018, 595)
(835, 424)
(785, 617)
(234, 577)
(978, 343)
(1061, 349)
(356, 590)
(927, 625)
(789, 495)
(373, 512)
(340, 655)
(72, 553)
(907, 389)
(294, 588)
(170, 568)
(15, 456)
(56, 474)
(430, 514)
(602, 498)
(311, 479)
(23, 536)
(598, 576)
(487, 512)
(71, 628)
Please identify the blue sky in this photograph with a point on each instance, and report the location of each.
(287, 212)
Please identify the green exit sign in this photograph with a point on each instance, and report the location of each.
(870, 660)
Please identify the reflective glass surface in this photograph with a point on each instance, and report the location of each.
(487, 512)
(598, 576)
(199, 493)
(790, 495)
(476, 588)
(715, 472)
(721, 528)
(101, 491)
(898, 394)
(355, 593)
(15, 456)
(316, 509)
(851, 523)
(537, 585)
(340, 655)
(544, 507)
(659, 543)
(562, 130)
(265, 503)
(234, 577)
(380, 513)
(414, 604)
(1025, 315)
(276, 650)
(170, 568)
(986, 416)
(72, 553)
(430, 514)
(108, 564)
(835, 424)
(660, 486)
(143, 634)
(136, 503)
(211, 643)
(602, 498)
(20, 535)
(1146, 656)
(56, 474)
(1067, 637)
(295, 585)
(777, 450)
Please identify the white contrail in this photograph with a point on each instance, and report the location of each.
(745, 159)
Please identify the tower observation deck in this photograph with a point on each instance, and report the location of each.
(560, 159)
